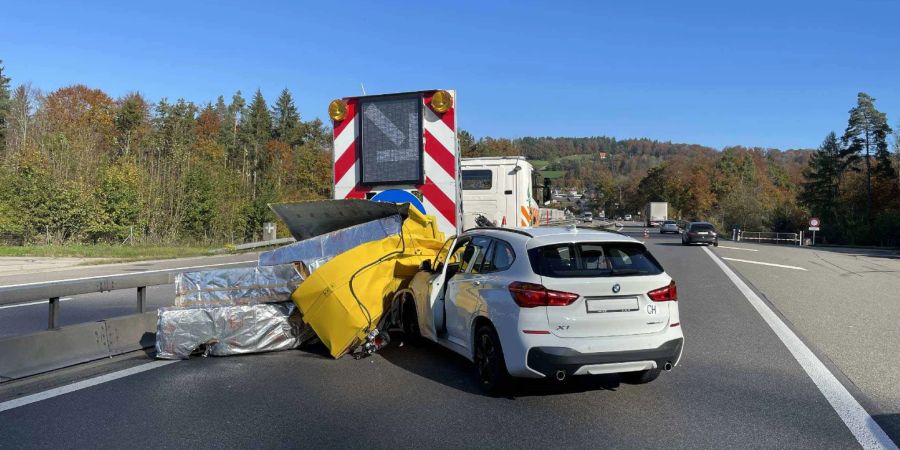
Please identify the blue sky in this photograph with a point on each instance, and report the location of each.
(774, 74)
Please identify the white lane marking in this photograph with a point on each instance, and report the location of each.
(739, 248)
(39, 302)
(864, 428)
(760, 262)
(130, 273)
(55, 392)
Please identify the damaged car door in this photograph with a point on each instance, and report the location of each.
(462, 299)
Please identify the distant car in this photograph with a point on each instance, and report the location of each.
(627, 217)
(587, 217)
(669, 226)
(700, 233)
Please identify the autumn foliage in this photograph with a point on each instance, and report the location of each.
(78, 165)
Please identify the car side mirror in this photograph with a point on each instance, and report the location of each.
(426, 265)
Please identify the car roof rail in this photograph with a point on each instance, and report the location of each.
(511, 230)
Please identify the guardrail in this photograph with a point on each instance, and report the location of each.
(769, 236)
(52, 291)
(249, 245)
(34, 353)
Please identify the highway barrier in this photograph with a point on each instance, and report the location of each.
(44, 351)
(61, 347)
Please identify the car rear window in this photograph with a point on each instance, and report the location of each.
(702, 227)
(587, 259)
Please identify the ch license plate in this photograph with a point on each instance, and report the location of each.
(614, 304)
(702, 233)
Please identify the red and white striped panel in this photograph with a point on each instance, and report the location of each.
(346, 155)
(440, 191)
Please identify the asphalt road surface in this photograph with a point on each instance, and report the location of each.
(32, 317)
(845, 302)
(738, 386)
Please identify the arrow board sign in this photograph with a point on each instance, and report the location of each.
(391, 140)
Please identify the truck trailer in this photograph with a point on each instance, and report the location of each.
(655, 213)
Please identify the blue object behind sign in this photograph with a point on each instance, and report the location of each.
(399, 196)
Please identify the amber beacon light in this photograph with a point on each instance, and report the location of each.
(337, 110)
(441, 101)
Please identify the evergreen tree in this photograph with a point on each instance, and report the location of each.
(232, 127)
(823, 175)
(222, 112)
(866, 135)
(257, 131)
(466, 143)
(131, 115)
(287, 120)
(653, 186)
(4, 107)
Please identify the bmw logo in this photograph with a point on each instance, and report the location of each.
(616, 288)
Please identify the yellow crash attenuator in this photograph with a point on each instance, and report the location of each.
(345, 298)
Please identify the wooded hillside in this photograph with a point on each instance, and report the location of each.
(850, 182)
(77, 165)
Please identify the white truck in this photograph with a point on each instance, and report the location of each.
(498, 189)
(655, 213)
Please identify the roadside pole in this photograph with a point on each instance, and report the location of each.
(814, 224)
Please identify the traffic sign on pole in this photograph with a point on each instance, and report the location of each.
(814, 224)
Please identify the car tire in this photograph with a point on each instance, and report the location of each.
(410, 320)
(642, 377)
(490, 367)
(716, 244)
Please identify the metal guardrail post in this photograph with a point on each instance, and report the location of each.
(141, 298)
(53, 316)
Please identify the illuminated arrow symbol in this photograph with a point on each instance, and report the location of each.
(385, 125)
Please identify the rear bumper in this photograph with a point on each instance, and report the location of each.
(549, 360)
(702, 239)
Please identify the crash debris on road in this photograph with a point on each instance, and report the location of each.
(229, 330)
(240, 286)
(335, 284)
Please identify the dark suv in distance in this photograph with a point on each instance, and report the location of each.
(700, 232)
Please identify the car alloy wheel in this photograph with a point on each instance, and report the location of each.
(489, 362)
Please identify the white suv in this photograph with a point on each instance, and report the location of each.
(547, 302)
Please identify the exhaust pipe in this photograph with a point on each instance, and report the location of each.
(668, 366)
(560, 375)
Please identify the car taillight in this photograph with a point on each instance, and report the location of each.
(530, 295)
(664, 294)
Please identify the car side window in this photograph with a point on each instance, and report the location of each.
(465, 254)
(503, 256)
(481, 244)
